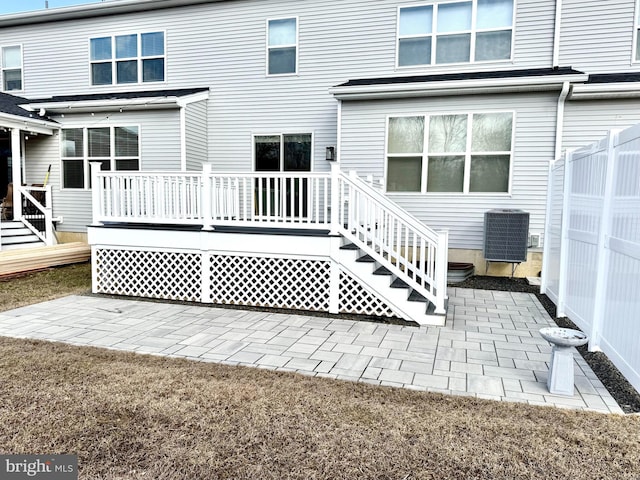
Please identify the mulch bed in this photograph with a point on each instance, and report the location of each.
(621, 390)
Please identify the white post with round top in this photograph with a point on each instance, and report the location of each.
(561, 374)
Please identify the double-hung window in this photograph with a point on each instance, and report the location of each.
(455, 32)
(116, 148)
(132, 58)
(458, 153)
(12, 68)
(282, 46)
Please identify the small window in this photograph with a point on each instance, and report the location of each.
(460, 153)
(116, 148)
(12, 68)
(282, 46)
(123, 59)
(455, 32)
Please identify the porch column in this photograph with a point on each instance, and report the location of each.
(16, 172)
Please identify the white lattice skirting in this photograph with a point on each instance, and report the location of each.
(277, 282)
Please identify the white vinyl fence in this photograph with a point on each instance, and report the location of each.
(591, 264)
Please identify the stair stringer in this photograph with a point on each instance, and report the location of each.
(380, 287)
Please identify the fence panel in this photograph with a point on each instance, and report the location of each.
(592, 246)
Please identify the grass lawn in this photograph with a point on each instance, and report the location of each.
(132, 416)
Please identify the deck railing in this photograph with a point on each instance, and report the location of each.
(343, 204)
(36, 212)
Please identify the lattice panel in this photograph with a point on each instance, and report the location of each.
(270, 282)
(356, 298)
(168, 275)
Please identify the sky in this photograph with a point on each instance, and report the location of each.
(14, 6)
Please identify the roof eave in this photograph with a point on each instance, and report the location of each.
(44, 127)
(601, 91)
(92, 10)
(146, 103)
(456, 87)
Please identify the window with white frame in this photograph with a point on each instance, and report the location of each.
(117, 148)
(282, 46)
(455, 32)
(132, 58)
(637, 32)
(458, 153)
(11, 68)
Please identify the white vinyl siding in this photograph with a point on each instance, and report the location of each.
(196, 135)
(363, 148)
(598, 37)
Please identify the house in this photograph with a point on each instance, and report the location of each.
(451, 107)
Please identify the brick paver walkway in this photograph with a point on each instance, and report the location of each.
(490, 347)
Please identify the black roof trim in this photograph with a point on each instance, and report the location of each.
(614, 77)
(534, 72)
(117, 96)
(10, 104)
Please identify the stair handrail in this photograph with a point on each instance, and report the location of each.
(425, 270)
(25, 191)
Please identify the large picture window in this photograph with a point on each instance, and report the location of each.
(12, 68)
(458, 153)
(122, 59)
(282, 46)
(455, 32)
(117, 148)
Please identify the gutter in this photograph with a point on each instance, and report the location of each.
(33, 124)
(600, 91)
(101, 9)
(456, 87)
(97, 105)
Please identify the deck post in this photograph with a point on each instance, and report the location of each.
(16, 172)
(96, 190)
(48, 216)
(335, 198)
(441, 271)
(207, 197)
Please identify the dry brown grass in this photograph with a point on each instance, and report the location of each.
(136, 417)
(131, 416)
(46, 285)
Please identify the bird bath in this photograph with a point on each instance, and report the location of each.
(561, 375)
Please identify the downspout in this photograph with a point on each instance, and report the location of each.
(183, 136)
(556, 35)
(339, 133)
(560, 119)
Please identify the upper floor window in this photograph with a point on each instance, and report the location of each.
(117, 148)
(282, 46)
(455, 32)
(459, 153)
(134, 58)
(12, 68)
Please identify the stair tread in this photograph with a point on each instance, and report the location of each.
(366, 259)
(397, 283)
(349, 246)
(382, 271)
(417, 297)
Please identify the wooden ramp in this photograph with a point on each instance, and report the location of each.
(20, 261)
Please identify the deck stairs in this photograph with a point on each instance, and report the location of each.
(401, 298)
(15, 235)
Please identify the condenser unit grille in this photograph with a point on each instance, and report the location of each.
(506, 233)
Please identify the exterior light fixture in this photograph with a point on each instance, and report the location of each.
(331, 154)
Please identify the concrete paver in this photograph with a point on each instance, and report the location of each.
(489, 348)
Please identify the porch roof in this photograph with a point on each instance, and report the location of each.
(12, 115)
(522, 80)
(147, 99)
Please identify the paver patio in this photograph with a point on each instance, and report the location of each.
(490, 347)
